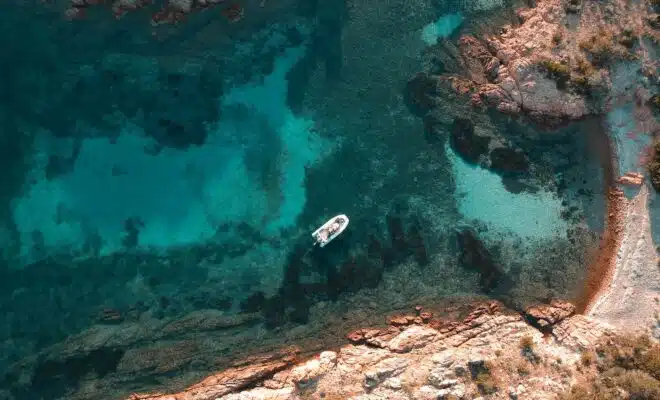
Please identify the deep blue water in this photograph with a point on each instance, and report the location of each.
(156, 180)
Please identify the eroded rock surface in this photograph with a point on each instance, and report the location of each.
(552, 66)
(413, 359)
(545, 316)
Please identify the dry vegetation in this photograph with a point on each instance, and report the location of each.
(654, 161)
(628, 368)
(605, 46)
(484, 378)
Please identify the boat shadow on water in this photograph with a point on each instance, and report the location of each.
(359, 258)
(353, 261)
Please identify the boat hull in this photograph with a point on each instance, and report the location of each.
(325, 226)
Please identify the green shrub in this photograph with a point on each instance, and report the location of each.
(557, 70)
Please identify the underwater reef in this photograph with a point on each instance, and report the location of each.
(166, 162)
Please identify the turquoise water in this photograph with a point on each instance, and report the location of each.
(156, 181)
(441, 28)
(180, 196)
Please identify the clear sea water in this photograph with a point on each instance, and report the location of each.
(151, 180)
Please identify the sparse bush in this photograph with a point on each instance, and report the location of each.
(523, 368)
(573, 6)
(486, 383)
(631, 353)
(630, 368)
(627, 38)
(600, 46)
(655, 102)
(557, 70)
(638, 384)
(557, 38)
(580, 83)
(584, 67)
(577, 392)
(526, 343)
(527, 349)
(587, 358)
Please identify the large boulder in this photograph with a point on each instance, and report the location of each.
(545, 316)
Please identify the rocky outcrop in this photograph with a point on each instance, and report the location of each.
(420, 94)
(124, 351)
(420, 357)
(552, 64)
(545, 316)
(235, 379)
(631, 179)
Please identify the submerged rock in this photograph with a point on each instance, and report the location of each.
(506, 160)
(474, 255)
(463, 139)
(420, 94)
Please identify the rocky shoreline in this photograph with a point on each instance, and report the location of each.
(415, 355)
(548, 69)
(551, 70)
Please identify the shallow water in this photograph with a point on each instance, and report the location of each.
(153, 186)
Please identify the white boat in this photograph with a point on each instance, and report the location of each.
(330, 230)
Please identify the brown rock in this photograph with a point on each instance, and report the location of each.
(545, 316)
(426, 316)
(232, 379)
(412, 338)
(631, 178)
(399, 320)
